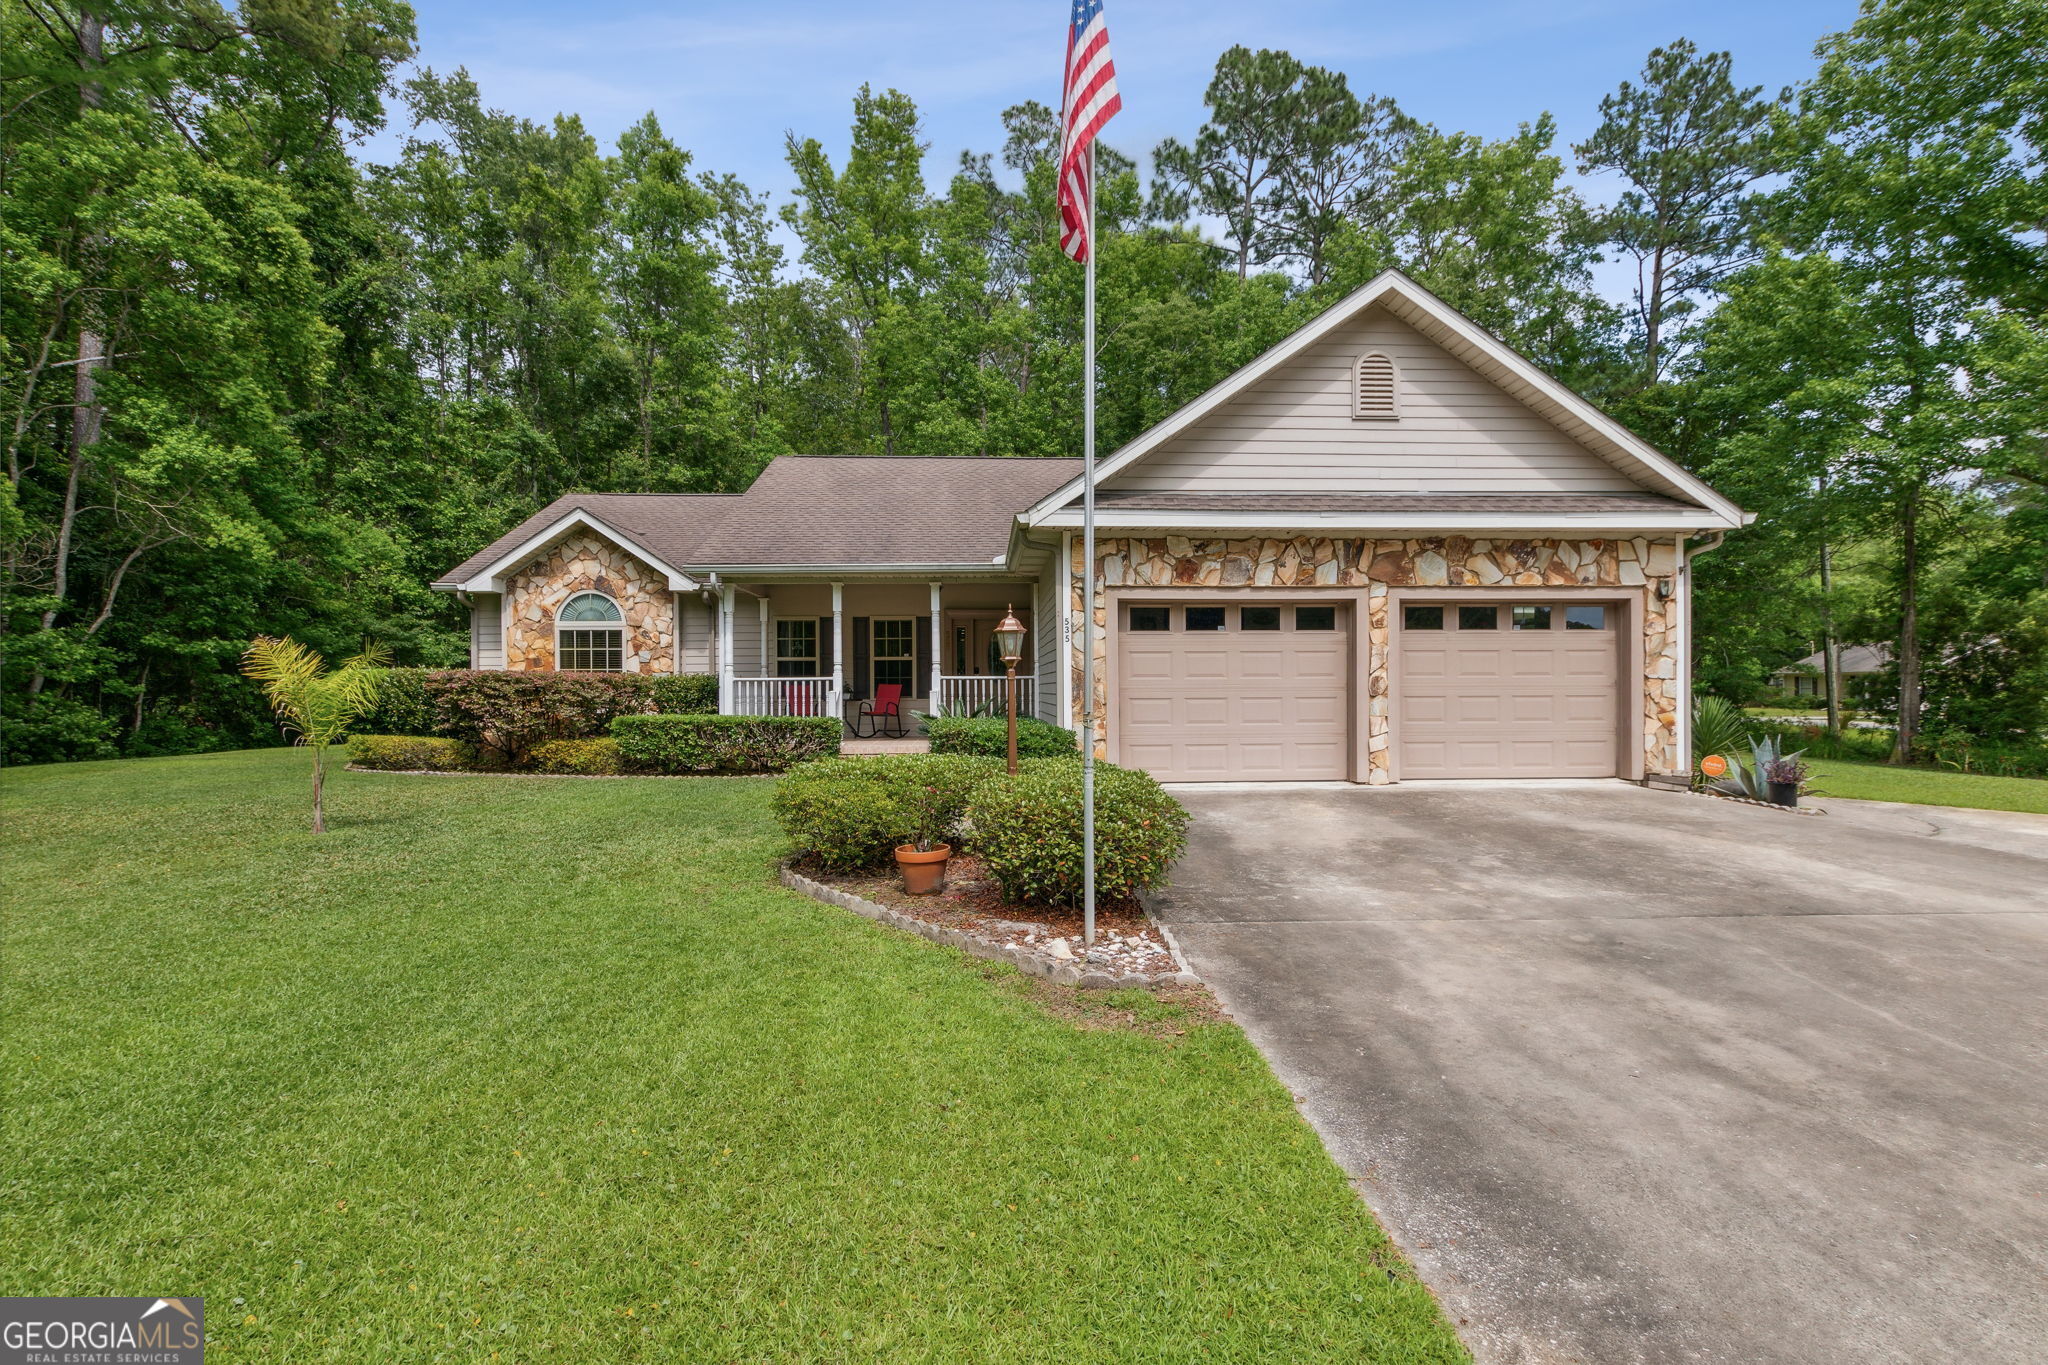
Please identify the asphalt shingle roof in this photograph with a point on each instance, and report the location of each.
(862, 509)
(665, 525)
(817, 510)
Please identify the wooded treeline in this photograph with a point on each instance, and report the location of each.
(254, 385)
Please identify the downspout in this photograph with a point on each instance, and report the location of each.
(1686, 555)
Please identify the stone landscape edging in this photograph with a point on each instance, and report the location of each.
(1764, 805)
(974, 945)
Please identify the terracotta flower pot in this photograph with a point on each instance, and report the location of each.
(923, 873)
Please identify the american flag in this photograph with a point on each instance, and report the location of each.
(1090, 101)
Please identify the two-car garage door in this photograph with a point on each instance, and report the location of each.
(1247, 691)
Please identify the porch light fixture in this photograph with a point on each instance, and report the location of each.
(1010, 646)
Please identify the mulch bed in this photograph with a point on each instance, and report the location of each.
(1126, 939)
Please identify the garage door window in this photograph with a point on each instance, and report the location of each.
(1478, 618)
(1585, 618)
(1315, 618)
(1205, 618)
(1151, 618)
(1532, 618)
(1422, 618)
(1258, 618)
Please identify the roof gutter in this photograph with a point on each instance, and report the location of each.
(1457, 523)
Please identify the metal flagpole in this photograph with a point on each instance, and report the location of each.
(1088, 574)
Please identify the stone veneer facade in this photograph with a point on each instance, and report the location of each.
(1376, 565)
(586, 563)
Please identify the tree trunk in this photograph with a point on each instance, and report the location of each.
(1831, 647)
(1909, 628)
(86, 413)
(319, 781)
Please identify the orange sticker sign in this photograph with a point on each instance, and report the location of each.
(1713, 765)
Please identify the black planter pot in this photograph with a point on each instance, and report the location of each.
(1784, 793)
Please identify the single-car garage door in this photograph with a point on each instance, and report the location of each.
(1235, 692)
(1501, 689)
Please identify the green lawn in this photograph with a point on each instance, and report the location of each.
(549, 1069)
(1927, 786)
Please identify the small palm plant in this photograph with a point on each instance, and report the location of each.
(1719, 727)
(314, 702)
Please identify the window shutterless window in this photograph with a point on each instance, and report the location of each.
(590, 651)
(1585, 618)
(1478, 618)
(893, 652)
(590, 635)
(1315, 618)
(796, 647)
(1422, 618)
(1151, 618)
(1531, 618)
(1205, 618)
(1258, 618)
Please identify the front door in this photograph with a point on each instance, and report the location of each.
(969, 638)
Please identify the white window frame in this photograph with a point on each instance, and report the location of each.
(617, 628)
(780, 657)
(908, 658)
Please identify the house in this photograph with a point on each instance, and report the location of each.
(1389, 548)
(1860, 665)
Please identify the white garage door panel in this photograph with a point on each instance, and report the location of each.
(1234, 705)
(1505, 702)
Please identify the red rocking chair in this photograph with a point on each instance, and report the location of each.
(887, 706)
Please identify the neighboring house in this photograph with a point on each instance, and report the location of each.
(1860, 664)
(1388, 548)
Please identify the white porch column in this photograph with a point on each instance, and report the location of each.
(938, 654)
(725, 697)
(839, 649)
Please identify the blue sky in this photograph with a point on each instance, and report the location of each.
(726, 80)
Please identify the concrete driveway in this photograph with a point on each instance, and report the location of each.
(1643, 1076)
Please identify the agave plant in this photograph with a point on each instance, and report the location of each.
(313, 702)
(1753, 779)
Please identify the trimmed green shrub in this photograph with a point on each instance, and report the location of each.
(685, 694)
(588, 757)
(412, 754)
(400, 706)
(512, 712)
(1027, 832)
(724, 744)
(851, 813)
(990, 736)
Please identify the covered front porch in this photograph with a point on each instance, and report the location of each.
(852, 648)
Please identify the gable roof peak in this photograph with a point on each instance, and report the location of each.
(1493, 359)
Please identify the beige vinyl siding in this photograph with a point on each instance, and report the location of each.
(746, 637)
(486, 631)
(1294, 432)
(1045, 636)
(696, 634)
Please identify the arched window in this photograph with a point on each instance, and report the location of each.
(1376, 391)
(590, 634)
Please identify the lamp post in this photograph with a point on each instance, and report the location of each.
(1010, 645)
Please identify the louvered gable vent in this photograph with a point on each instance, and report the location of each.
(1376, 392)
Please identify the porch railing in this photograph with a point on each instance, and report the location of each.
(783, 697)
(984, 692)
